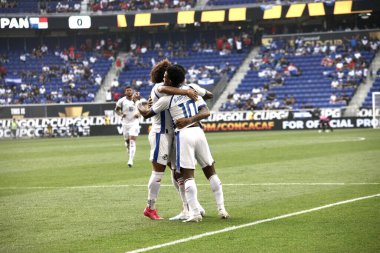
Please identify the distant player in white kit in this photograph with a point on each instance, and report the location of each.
(191, 143)
(126, 108)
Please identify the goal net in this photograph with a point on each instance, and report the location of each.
(376, 109)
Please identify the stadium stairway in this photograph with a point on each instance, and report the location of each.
(363, 90)
(107, 81)
(84, 6)
(237, 78)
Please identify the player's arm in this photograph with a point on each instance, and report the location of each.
(205, 94)
(144, 111)
(161, 105)
(118, 109)
(208, 95)
(150, 102)
(203, 113)
(191, 93)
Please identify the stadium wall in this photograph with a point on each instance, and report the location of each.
(99, 119)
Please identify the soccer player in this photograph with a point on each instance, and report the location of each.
(126, 108)
(191, 143)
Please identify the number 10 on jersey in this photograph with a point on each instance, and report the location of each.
(189, 108)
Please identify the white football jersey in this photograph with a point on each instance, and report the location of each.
(179, 106)
(129, 109)
(161, 123)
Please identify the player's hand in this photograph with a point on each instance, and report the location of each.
(181, 123)
(193, 94)
(150, 102)
(136, 96)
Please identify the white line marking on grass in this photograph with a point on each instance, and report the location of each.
(191, 238)
(170, 185)
(348, 140)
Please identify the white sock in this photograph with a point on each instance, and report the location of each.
(191, 195)
(154, 188)
(132, 149)
(216, 187)
(179, 185)
(182, 193)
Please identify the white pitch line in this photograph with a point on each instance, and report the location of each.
(228, 229)
(170, 185)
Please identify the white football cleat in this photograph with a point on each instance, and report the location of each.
(130, 163)
(194, 218)
(184, 215)
(223, 214)
(202, 210)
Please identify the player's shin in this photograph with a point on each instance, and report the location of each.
(179, 185)
(216, 187)
(191, 193)
(132, 149)
(153, 188)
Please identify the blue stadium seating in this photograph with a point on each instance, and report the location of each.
(311, 88)
(194, 59)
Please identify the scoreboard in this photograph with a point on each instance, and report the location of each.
(125, 20)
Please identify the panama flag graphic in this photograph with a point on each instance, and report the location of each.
(38, 23)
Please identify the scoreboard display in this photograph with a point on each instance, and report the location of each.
(163, 18)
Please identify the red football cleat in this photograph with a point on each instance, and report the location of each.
(152, 214)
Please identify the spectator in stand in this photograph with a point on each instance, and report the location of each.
(239, 45)
(108, 95)
(115, 83)
(336, 84)
(42, 90)
(353, 43)
(229, 105)
(23, 58)
(77, 7)
(365, 43)
(3, 71)
(292, 70)
(327, 61)
(333, 99)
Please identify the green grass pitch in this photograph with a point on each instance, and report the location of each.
(78, 195)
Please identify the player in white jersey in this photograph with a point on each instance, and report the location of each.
(191, 143)
(126, 108)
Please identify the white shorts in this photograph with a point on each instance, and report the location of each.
(130, 130)
(192, 147)
(160, 147)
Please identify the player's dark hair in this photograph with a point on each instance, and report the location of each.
(128, 87)
(176, 74)
(181, 67)
(158, 71)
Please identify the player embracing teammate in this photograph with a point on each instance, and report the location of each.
(191, 145)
